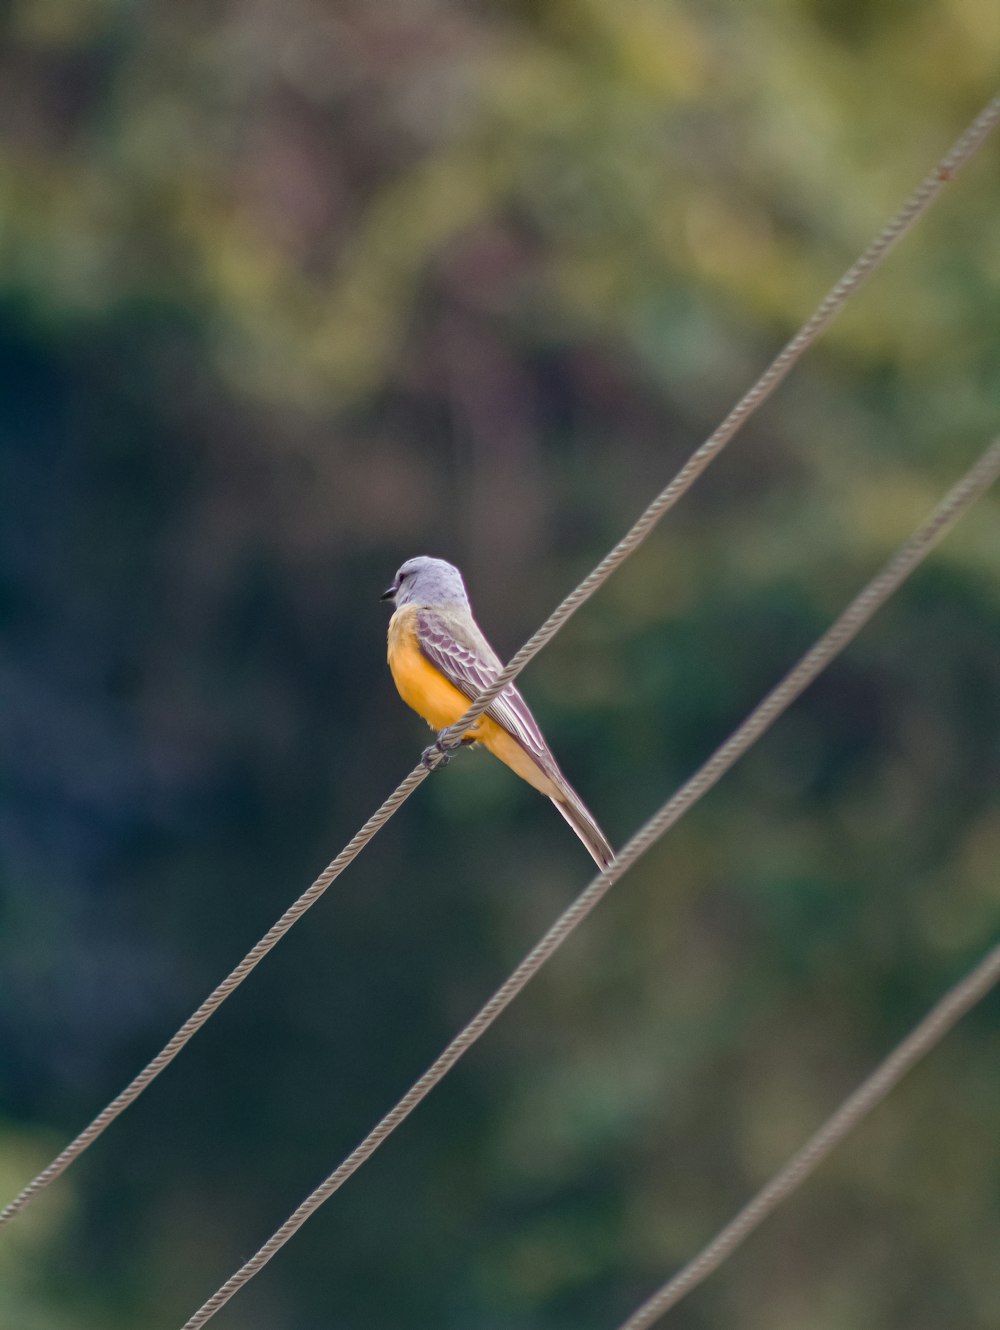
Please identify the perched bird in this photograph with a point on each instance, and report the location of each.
(440, 661)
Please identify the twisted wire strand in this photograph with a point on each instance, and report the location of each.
(832, 303)
(960, 999)
(214, 1000)
(974, 483)
(915, 206)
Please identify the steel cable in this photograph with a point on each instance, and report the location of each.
(917, 1044)
(827, 310)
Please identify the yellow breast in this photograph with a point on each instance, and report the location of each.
(420, 685)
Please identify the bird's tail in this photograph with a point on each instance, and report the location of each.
(576, 813)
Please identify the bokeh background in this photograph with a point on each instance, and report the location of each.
(292, 291)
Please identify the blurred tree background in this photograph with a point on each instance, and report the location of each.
(293, 291)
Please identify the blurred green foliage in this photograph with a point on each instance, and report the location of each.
(293, 291)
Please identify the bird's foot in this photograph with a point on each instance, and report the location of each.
(435, 756)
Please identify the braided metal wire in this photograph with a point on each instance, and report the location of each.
(960, 999)
(829, 307)
(214, 1000)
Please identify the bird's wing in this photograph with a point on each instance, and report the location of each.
(455, 646)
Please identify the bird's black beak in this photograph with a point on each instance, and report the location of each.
(388, 594)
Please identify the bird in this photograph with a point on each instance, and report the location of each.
(440, 661)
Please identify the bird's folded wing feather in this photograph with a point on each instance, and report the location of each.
(467, 660)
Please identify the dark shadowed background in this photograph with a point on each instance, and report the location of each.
(290, 292)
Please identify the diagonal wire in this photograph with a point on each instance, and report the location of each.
(915, 206)
(214, 1000)
(961, 998)
(829, 307)
(907, 557)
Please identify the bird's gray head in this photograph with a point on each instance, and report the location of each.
(427, 581)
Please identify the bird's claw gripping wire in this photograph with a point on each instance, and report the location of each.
(443, 749)
(437, 755)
